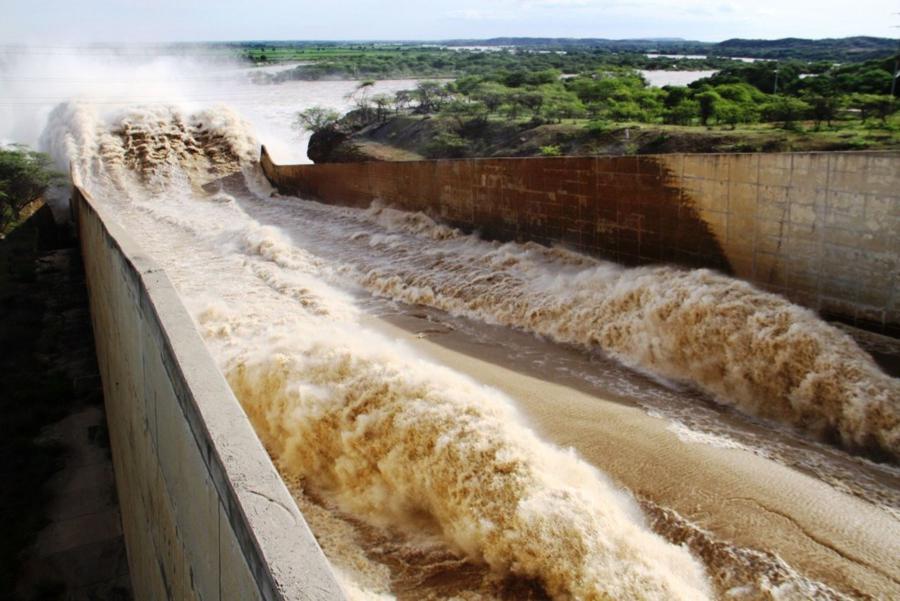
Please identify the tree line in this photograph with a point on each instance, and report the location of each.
(784, 93)
(441, 63)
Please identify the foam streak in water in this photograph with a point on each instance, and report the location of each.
(751, 349)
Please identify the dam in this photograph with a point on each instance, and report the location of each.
(603, 377)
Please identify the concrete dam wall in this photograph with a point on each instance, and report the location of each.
(204, 512)
(822, 229)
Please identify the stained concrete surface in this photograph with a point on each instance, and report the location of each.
(818, 228)
(58, 496)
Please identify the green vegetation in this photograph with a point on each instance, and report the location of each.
(551, 150)
(852, 49)
(595, 88)
(416, 62)
(317, 119)
(24, 176)
(834, 49)
(854, 97)
(629, 53)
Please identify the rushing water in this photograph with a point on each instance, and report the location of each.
(419, 481)
(33, 84)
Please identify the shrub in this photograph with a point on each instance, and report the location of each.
(874, 105)
(447, 144)
(551, 150)
(682, 113)
(708, 102)
(787, 110)
(598, 127)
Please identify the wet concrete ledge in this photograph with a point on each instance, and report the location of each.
(822, 229)
(204, 512)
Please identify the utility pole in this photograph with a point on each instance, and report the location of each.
(896, 74)
(775, 89)
(896, 66)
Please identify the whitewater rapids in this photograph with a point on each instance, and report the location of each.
(390, 439)
(383, 439)
(747, 348)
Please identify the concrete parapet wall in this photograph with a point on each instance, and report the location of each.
(205, 514)
(822, 229)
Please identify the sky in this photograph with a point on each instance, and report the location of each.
(81, 21)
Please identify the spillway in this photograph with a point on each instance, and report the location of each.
(459, 418)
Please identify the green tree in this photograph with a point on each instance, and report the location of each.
(730, 112)
(869, 80)
(591, 90)
(430, 96)
(627, 110)
(683, 113)
(762, 75)
(402, 99)
(708, 102)
(513, 108)
(469, 83)
(24, 176)
(651, 102)
(316, 119)
(786, 109)
(533, 100)
(559, 104)
(465, 112)
(543, 77)
(447, 144)
(874, 105)
(675, 95)
(491, 94)
(383, 103)
(823, 107)
(361, 100)
(741, 93)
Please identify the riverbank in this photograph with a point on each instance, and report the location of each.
(415, 137)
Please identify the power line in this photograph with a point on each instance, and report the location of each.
(120, 81)
(129, 101)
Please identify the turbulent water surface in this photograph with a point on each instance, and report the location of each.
(419, 480)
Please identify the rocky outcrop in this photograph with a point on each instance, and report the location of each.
(342, 142)
(410, 137)
(334, 145)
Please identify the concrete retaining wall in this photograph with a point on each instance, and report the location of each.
(822, 229)
(205, 514)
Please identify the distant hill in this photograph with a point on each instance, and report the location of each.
(648, 44)
(851, 49)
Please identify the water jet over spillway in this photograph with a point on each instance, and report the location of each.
(747, 348)
(374, 431)
(374, 438)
